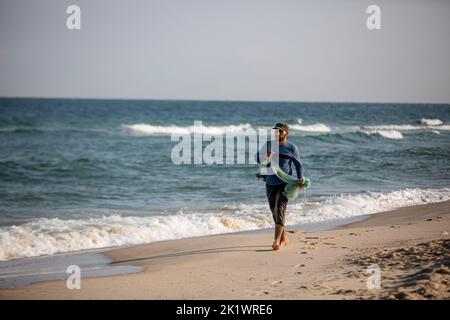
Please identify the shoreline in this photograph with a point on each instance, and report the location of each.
(238, 264)
(97, 262)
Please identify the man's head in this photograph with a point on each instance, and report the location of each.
(281, 130)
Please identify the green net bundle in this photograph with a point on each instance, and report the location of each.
(291, 190)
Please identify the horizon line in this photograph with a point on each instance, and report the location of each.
(221, 100)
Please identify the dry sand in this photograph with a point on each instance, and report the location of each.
(410, 246)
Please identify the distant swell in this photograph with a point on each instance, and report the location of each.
(36, 129)
(50, 236)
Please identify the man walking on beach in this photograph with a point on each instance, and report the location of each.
(288, 154)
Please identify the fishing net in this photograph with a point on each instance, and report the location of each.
(291, 190)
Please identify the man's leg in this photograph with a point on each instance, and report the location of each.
(281, 206)
(271, 193)
(280, 218)
(284, 238)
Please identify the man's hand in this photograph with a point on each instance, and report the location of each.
(270, 154)
(300, 184)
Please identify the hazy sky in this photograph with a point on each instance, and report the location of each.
(288, 50)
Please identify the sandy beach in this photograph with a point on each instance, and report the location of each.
(410, 246)
(152, 151)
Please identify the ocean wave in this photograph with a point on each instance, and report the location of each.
(408, 127)
(444, 127)
(50, 236)
(431, 122)
(318, 127)
(143, 128)
(398, 127)
(388, 131)
(388, 134)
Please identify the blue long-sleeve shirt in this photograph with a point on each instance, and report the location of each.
(288, 154)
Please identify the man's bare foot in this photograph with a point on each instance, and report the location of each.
(284, 239)
(277, 239)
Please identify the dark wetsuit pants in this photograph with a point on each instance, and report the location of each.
(277, 203)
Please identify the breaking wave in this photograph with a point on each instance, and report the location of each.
(47, 236)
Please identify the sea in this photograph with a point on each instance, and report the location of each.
(80, 174)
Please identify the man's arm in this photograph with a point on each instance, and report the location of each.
(298, 163)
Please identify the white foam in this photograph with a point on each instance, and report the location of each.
(49, 236)
(346, 206)
(150, 129)
(431, 122)
(402, 127)
(390, 131)
(143, 128)
(428, 124)
(389, 134)
(318, 127)
(444, 127)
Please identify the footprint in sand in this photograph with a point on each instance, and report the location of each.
(343, 291)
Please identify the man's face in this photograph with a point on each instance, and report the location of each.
(281, 134)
